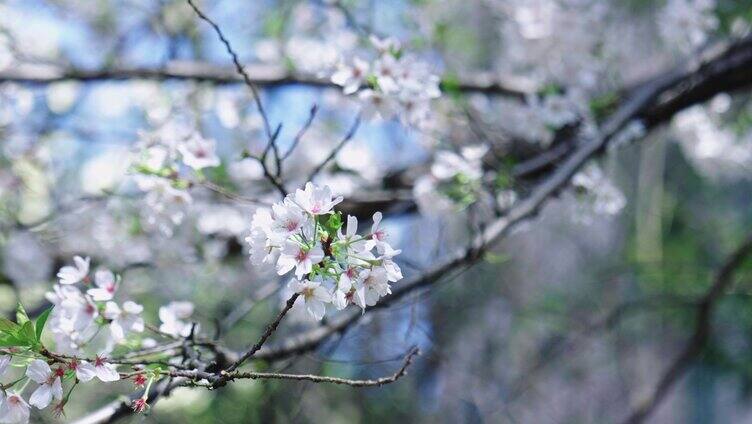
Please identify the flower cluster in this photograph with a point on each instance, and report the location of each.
(157, 165)
(331, 263)
(455, 179)
(600, 194)
(393, 84)
(84, 317)
(79, 315)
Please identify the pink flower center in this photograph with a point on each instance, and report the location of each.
(90, 309)
(98, 361)
(302, 255)
(15, 400)
(291, 225)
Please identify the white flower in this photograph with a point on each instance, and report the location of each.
(375, 284)
(316, 200)
(378, 235)
(125, 320)
(72, 321)
(449, 164)
(165, 204)
(198, 152)
(287, 219)
(106, 286)
(13, 409)
(49, 383)
(173, 317)
(350, 78)
(102, 369)
(74, 274)
(351, 239)
(314, 296)
(85, 371)
(4, 362)
(385, 45)
(302, 258)
(393, 271)
(345, 291)
(377, 104)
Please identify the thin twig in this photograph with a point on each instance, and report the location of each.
(238, 67)
(270, 329)
(350, 134)
(302, 132)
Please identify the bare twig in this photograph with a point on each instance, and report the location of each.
(302, 132)
(238, 67)
(348, 136)
(270, 329)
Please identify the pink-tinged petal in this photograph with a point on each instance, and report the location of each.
(39, 371)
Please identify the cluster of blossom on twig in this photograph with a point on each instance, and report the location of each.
(456, 181)
(331, 262)
(393, 84)
(157, 164)
(84, 318)
(601, 196)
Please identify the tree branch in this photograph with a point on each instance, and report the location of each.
(699, 339)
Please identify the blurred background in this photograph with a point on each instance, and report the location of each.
(571, 319)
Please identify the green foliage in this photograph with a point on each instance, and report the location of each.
(450, 85)
(24, 332)
(333, 224)
(602, 105)
(730, 10)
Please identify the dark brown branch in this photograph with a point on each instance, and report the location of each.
(644, 98)
(700, 336)
(270, 329)
(263, 75)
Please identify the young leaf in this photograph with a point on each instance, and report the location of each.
(7, 326)
(27, 333)
(41, 321)
(21, 316)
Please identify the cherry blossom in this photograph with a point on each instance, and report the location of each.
(13, 409)
(198, 153)
(106, 284)
(50, 386)
(72, 274)
(351, 78)
(4, 362)
(314, 296)
(124, 320)
(300, 257)
(316, 200)
(174, 316)
(330, 259)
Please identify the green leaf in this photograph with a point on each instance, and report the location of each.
(41, 321)
(10, 341)
(7, 326)
(27, 333)
(333, 224)
(21, 316)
